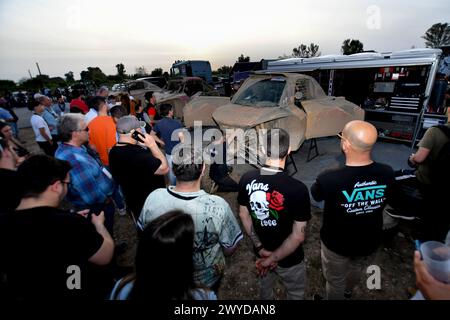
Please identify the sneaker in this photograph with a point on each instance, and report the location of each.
(399, 214)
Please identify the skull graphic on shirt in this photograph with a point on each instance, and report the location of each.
(259, 204)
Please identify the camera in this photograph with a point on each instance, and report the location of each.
(138, 136)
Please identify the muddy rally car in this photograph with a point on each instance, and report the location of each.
(292, 101)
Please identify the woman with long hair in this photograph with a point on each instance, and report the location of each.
(163, 266)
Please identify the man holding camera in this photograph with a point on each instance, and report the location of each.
(136, 163)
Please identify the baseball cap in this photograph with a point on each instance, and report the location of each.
(128, 123)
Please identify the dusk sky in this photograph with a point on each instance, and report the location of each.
(72, 35)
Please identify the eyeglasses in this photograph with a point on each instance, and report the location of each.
(85, 129)
(342, 137)
(69, 184)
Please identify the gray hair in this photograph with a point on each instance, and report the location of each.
(69, 123)
(102, 89)
(41, 98)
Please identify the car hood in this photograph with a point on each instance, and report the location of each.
(201, 108)
(238, 116)
(164, 96)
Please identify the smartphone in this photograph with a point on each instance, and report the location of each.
(417, 242)
(138, 136)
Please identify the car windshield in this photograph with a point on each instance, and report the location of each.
(264, 93)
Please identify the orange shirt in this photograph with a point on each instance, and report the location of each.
(102, 135)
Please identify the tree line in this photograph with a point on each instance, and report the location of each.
(436, 36)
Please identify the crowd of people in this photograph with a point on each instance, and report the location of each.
(103, 157)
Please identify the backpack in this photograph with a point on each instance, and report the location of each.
(440, 172)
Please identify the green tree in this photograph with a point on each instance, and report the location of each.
(224, 70)
(69, 77)
(34, 84)
(94, 75)
(114, 78)
(352, 46)
(121, 70)
(241, 58)
(437, 35)
(304, 51)
(7, 85)
(157, 72)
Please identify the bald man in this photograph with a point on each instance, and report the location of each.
(354, 196)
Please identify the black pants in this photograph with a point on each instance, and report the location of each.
(426, 202)
(49, 149)
(409, 194)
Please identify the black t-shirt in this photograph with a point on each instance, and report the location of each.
(36, 248)
(9, 190)
(133, 168)
(354, 201)
(275, 201)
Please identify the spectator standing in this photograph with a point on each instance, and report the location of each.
(171, 277)
(217, 232)
(274, 209)
(150, 107)
(7, 133)
(91, 184)
(425, 184)
(50, 116)
(102, 130)
(54, 243)
(138, 167)
(41, 130)
(60, 107)
(355, 196)
(169, 130)
(141, 115)
(7, 114)
(9, 182)
(77, 105)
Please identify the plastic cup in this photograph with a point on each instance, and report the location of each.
(436, 256)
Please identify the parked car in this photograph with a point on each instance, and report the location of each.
(136, 88)
(157, 81)
(292, 101)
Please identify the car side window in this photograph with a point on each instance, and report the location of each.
(136, 86)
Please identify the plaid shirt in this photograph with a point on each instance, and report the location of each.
(89, 185)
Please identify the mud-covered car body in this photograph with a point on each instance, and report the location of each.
(292, 101)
